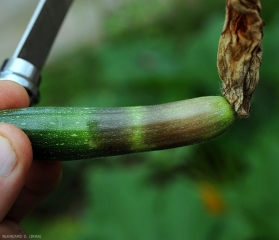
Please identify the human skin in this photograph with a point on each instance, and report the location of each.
(29, 182)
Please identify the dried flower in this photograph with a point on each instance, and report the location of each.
(240, 52)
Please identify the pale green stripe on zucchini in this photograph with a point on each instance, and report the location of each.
(58, 133)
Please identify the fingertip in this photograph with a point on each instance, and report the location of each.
(13, 95)
(20, 144)
(15, 162)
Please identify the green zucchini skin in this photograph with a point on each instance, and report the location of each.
(67, 133)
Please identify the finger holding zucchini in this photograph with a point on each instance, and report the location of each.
(66, 133)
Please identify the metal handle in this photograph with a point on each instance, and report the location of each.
(24, 73)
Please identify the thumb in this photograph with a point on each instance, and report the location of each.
(15, 161)
(8, 158)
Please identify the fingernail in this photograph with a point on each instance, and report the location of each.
(8, 157)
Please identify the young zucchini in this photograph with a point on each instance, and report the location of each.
(58, 133)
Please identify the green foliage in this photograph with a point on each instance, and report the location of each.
(224, 189)
(130, 207)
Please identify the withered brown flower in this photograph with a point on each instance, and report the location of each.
(240, 52)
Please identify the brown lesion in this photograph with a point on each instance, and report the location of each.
(241, 26)
(240, 52)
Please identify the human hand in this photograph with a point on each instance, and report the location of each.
(23, 183)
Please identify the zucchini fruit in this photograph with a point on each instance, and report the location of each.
(67, 133)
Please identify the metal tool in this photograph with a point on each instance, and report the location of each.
(25, 66)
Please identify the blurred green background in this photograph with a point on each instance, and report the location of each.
(152, 52)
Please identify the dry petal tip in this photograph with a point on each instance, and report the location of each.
(240, 53)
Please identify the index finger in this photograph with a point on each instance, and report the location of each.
(13, 95)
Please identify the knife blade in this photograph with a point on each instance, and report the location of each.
(33, 49)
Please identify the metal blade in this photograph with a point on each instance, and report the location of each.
(41, 31)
